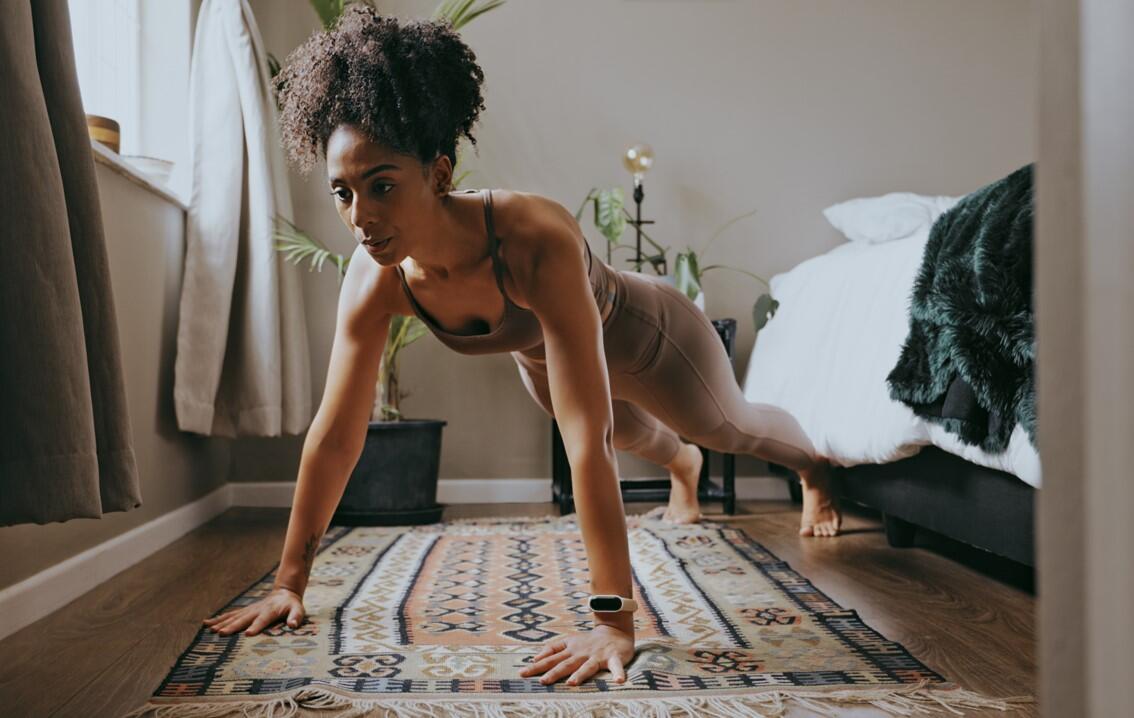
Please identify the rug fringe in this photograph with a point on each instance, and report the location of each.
(905, 701)
(546, 518)
(527, 518)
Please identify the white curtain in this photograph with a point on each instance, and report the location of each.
(242, 353)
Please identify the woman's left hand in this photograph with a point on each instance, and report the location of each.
(585, 654)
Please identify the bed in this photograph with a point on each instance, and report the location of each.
(824, 356)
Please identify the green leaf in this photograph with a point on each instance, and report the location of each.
(461, 12)
(588, 198)
(398, 329)
(328, 11)
(298, 247)
(763, 310)
(609, 214)
(658, 262)
(686, 276)
(273, 65)
(417, 330)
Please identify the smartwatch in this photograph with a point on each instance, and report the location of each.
(606, 603)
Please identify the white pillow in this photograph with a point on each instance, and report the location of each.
(892, 216)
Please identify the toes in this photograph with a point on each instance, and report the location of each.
(806, 530)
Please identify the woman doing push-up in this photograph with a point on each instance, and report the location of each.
(622, 360)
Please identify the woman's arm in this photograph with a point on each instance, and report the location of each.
(558, 290)
(338, 431)
(331, 449)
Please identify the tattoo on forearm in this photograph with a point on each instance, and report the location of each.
(309, 549)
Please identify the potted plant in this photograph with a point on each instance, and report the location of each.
(395, 479)
(610, 217)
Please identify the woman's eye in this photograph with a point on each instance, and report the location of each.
(382, 189)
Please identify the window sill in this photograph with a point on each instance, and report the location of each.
(105, 156)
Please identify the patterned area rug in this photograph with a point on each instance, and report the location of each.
(438, 621)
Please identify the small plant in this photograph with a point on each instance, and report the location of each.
(688, 270)
(610, 218)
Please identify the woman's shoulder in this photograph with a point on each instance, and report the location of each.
(530, 224)
(371, 289)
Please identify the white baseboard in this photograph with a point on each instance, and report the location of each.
(37, 596)
(493, 491)
(54, 587)
(271, 494)
(486, 491)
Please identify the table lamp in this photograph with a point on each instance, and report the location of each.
(638, 159)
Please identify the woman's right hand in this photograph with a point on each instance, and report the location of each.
(281, 603)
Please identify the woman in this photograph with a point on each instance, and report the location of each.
(621, 359)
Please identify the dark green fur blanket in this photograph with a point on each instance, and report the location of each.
(968, 361)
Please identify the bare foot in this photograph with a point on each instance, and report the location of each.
(821, 515)
(684, 474)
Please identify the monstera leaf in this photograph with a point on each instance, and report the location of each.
(609, 217)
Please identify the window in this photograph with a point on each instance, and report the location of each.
(132, 58)
(106, 38)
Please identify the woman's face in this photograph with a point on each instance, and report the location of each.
(386, 199)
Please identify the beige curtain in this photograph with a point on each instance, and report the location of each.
(65, 445)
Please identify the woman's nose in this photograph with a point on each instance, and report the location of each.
(362, 214)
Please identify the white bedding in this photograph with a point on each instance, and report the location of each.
(826, 353)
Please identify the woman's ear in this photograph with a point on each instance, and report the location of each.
(441, 175)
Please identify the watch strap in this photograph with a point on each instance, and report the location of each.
(623, 603)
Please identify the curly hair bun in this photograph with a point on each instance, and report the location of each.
(413, 86)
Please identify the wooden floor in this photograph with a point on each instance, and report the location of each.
(966, 616)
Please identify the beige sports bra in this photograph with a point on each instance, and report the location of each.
(519, 329)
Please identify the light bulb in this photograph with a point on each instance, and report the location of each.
(638, 159)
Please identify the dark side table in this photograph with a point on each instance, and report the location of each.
(654, 490)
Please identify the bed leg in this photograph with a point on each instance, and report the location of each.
(899, 533)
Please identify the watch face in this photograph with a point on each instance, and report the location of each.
(606, 603)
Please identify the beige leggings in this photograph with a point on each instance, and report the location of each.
(670, 377)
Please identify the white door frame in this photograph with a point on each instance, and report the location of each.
(1085, 363)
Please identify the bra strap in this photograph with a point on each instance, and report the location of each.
(487, 197)
(493, 246)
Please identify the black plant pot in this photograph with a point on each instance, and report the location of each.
(395, 480)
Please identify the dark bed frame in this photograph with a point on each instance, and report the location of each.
(933, 489)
